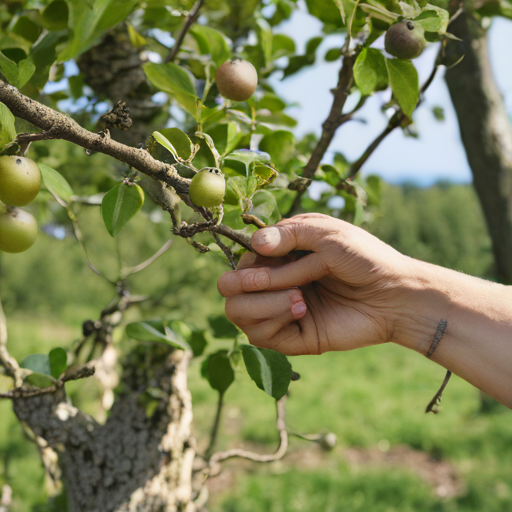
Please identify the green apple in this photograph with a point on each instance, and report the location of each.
(207, 187)
(18, 230)
(20, 180)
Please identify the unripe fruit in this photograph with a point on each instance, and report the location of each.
(18, 230)
(236, 80)
(405, 40)
(20, 180)
(207, 187)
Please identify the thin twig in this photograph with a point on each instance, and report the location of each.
(81, 372)
(226, 250)
(394, 122)
(145, 264)
(457, 13)
(215, 427)
(80, 239)
(435, 402)
(329, 127)
(191, 19)
(256, 457)
(354, 168)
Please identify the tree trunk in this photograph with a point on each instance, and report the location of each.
(141, 459)
(114, 70)
(487, 137)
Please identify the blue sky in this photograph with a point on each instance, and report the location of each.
(437, 154)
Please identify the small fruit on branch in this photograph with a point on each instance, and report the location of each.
(207, 187)
(20, 180)
(236, 79)
(405, 40)
(18, 230)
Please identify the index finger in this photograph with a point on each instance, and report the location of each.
(292, 275)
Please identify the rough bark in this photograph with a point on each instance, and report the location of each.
(487, 137)
(141, 458)
(114, 71)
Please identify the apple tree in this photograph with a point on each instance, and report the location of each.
(179, 95)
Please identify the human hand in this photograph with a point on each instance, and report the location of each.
(346, 294)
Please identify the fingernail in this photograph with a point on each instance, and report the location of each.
(266, 236)
(299, 309)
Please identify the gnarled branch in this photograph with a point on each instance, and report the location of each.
(60, 126)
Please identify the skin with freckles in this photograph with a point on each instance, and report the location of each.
(352, 290)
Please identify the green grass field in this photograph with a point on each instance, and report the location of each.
(372, 399)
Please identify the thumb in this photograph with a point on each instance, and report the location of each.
(281, 239)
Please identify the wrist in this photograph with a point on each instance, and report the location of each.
(424, 301)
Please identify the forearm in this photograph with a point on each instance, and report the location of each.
(477, 343)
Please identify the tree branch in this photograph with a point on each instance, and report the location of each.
(191, 19)
(215, 427)
(331, 124)
(60, 126)
(145, 264)
(80, 372)
(395, 121)
(256, 457)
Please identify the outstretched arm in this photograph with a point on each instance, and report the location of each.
(353, 290)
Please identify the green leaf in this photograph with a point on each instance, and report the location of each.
(155, 331)
(269, 369)
(438, 113)
(325, 10)
(212, 42)
(175, 81)
(433, 19)
(265, 207)
(264, 33)
(55, 16)
(76, 85)
(370, 72)
(179, 141)
(222, 327)
(26, 68)
(39, 363)
(9, 69)
(410, 11)
(26, 28)
(58, 362)
(332, 54)
(197, 342)
(280, 145)
(119, 205)
(56, 184)
(217, 370)
(7, 128)
(282, 46)
(164, 141)
(135, 38)
(39, 380)
(403, 79)
(89, 19)
(248, 156)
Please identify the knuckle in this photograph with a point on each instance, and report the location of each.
(256, 279)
